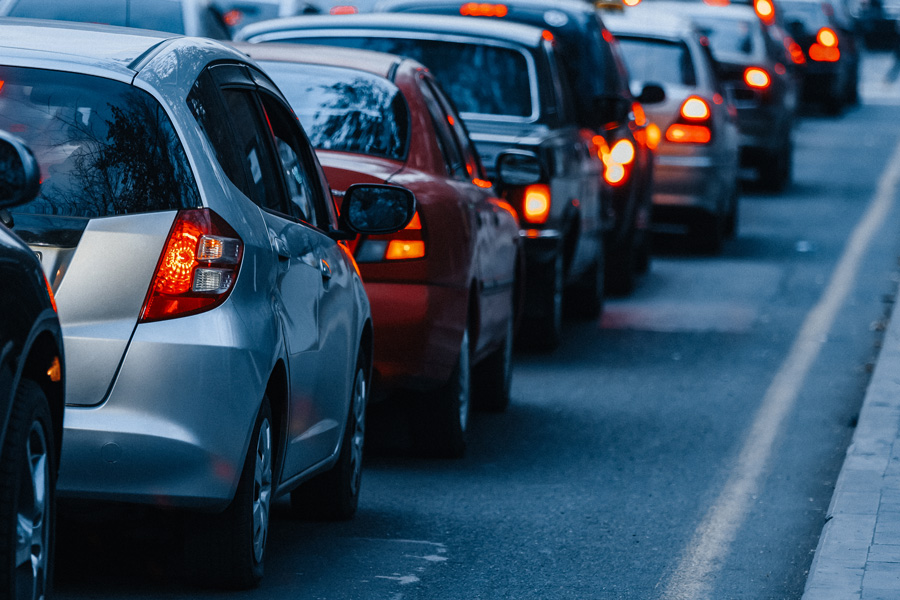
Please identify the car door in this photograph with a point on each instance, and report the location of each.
(313, 422)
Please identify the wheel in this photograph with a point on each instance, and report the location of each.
(546, 333)
(27, 497)
(731, 219)
(334, 495)
(708, 233)
(228, 549)
(493, 375)
(586, 298)
(776, 168)
(644, 252)
(441, 419)
(622, 268)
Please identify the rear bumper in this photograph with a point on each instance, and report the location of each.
(542, 247)
(418, 331)
(175, 427)
(690, 182)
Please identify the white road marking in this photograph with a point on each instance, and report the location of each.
(401, 579)
(712, 539)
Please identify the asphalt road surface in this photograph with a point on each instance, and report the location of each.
(684, 446)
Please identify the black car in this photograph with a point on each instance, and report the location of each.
(603, 103)
(31, 393)
(508, 84)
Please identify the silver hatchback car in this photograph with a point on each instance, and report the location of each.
(218, 336)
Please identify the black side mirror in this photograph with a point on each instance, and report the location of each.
(374, 209)
(653, 93)
(519, 167)
(20, 178)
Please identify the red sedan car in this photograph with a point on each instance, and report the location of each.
(444, 291)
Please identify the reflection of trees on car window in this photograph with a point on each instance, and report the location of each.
(104, 148)
(377, 208)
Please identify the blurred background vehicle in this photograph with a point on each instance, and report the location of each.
(188, 17)
(829, 74)
(695, 182)
(876, 22)
(218, 337)
(443, 290)
(598, 86)
(758, 77)
(32, 393)
(240, 13)
(506, 80)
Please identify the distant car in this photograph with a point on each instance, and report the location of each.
(32, 393)
(188, 17)
(240, 13)
(218, 336)
(755, 71)
(504, 79)
(695, 182)
(444, 290)
(830, 72)
(598, 84)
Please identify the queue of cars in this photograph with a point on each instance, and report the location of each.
(240, 246)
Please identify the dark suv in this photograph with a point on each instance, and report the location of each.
(31, 393)
(508, 85)
(603, 104)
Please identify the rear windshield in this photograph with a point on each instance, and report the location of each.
(659, 61)
(730, 36)
(161, 15)
(809, 15)
(480, 78)
(344, 109)
(103, 147)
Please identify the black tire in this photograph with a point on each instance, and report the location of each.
(776, 169)
(334, 494)
(731, 219)
(493, 375)
(546, 333)
(228, 549)
(27, 497)
(622, 268)
(708, 233)
(441, 419)
(587, 295)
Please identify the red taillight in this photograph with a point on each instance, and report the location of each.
(343, 10)
(547, 35)
(197, 269)
(483, 9)
(536, 203)
(1, 84)
(631, 2)
(826, 47)
(640, 117)
(405, 249)
(482, 183)
(693, 126)
(617, 161)
(796, 52)
(233, 18)
(414, 223)
(757, 78)
(406, 244)
(827, 37)
(765, 10)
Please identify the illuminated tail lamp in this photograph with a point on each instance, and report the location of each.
(536, 203)
(414, 223)
(765, 10)
(827, 37)
(654, 135)
(345, 9)
(622, 152)
(482, 183)
(233, 18)
(405, 249)
(631, 2)
(617, 160)
(826, 47)
(757, 78)
(640, 117)
(717, 2)
(1, 84)
(197, 269)
(483, 9)
(796, 52)
(693, 127)
(406, 244)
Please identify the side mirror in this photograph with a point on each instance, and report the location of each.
(374, 209)
(519, 167)
(653, 93)
(19, 173)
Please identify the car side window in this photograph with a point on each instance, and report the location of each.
(305, 201)
(456, 166)
(458, 128)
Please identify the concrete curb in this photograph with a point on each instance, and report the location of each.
(858, 555)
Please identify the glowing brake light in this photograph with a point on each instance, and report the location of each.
(765, 10)
(483, 9)
(622, 152)
(406, 244)
(1, 84)
(405, 249)
(617, 160)
(695, 109)
(233, 18)
(631, 2)
(757, 78)
(827, 37)
(345, 9)
(826, 47)
(415, 222)
(536, 203)
(197, 269)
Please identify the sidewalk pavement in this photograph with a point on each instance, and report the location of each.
(858, 556)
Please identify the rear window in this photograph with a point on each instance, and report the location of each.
(103, 147)
(161, 15)
(659, 61)
(809, 15)
(344, 109)
(730, 36)
(480, 78)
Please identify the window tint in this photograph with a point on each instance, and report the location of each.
(161, 15)
(658, 61)
(480, 78)
(104, 147)
(299, 174)
(346, 110)
(457, 130)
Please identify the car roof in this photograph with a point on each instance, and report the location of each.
(416, 23)
(572, 7)
(376, 63)
(699, 9)
(660, 24)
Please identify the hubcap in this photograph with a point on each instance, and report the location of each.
(262, 489)
(464, 383)
(32, 517)
(359, 430)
